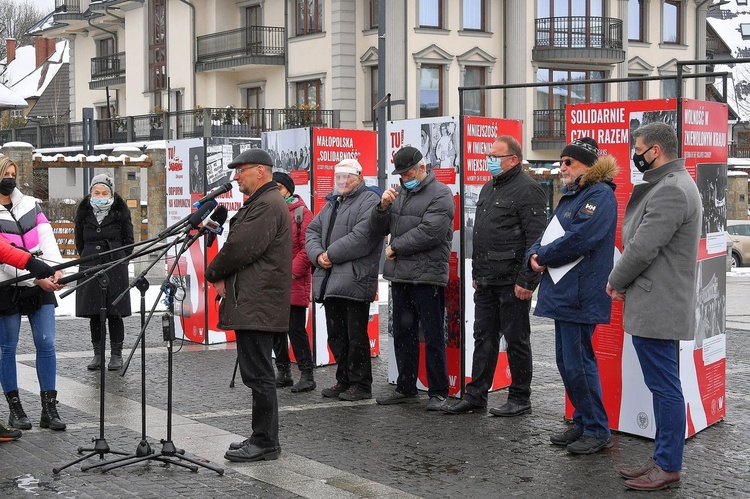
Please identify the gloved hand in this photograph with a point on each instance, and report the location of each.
(39, 269)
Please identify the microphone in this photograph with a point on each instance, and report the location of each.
(202, 212)
(208, 197)
(214, 224)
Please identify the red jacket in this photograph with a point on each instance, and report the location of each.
(19, 258)
(301, 265)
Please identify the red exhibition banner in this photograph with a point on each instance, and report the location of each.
(626, 398)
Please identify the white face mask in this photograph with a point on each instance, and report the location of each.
(102, 203)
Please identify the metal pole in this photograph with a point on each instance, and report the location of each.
(381, 93)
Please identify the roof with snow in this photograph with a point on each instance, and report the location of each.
(729, 22)
(35, 82)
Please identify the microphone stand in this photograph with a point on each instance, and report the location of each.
(169, 454)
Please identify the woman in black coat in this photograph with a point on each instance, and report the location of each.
(103, 223)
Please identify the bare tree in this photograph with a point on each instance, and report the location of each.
(15, 20)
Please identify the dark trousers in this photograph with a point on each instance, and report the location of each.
(576, 361)
(658, 359)
(116, 329)
(256, 368)
(415, 304)
(346, 321)
(498, 313)
(298, 336)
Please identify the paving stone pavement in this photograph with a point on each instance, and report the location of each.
(337, 449)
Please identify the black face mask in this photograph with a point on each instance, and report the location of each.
(7, 185)
(640, 161)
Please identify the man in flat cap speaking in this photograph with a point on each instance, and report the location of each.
(252, 273)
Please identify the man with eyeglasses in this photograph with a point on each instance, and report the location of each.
(575, 256)
(346, 256)
(252, 274)
(510, 215)
(419, 218)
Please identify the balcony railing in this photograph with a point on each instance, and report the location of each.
(549, 124)
(68, 6)
(203, 122)
(579, 32)
(108, 66)
(261, 41)
(736, 151)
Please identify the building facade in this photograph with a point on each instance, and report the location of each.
(135, 57)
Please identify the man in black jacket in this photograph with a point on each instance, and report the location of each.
(510, 217)
(419, 218)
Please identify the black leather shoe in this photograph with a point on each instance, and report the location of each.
(239, 445)
(510, 409)
(251, 452)
(464, 407)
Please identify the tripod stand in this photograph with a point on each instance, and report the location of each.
(169, 453)
(100, 444)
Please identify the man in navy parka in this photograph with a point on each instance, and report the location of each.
(577, 301)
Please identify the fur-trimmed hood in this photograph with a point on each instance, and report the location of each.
(604, 170)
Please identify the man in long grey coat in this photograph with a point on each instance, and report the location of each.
(346, 254)
(656, 274)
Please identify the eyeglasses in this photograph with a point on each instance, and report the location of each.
(567, 162)
(493, 158)
(238, 171)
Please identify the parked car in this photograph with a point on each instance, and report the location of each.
(739, 233)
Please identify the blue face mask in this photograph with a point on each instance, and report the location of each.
(494, 166)
(101, 202)
(411, 184)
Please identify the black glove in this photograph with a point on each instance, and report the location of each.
(39, 269)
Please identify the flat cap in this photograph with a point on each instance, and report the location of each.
(251, 157)
(405, 158)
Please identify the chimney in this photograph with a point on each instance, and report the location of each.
(51, 46)
(10, 50)
(40, 46)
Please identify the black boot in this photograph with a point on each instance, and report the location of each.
(18, 418)
(306, 381)
(115, 359)
(284, 376)
(8, 435)
(96, 362)
(50, 418)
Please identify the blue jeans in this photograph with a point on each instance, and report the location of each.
(415, 304)
(576, 362)
(658, 359)
(43, 331)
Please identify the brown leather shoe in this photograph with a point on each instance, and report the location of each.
(631, 473)
(655, 479)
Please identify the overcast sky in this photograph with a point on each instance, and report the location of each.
(45, 6)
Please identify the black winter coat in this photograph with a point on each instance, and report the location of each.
(116, 230)
(510, 217)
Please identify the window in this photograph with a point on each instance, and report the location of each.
(549, 109)
(671, 16)
(431, 13)
(669, 89)
(307, 93)
(636, 20)
(372, 14)
(373, 91)
(636, 89)
(105, 46)
(309, 16)
(473, 15)
(474, 102)
(254, 103)
(157, 49)
(430, 91)
(745, 31)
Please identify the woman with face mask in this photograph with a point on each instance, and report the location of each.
(23, 224)
(103, 223)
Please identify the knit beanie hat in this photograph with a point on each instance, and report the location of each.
(103, 179)
(585, 150)
(285, 180)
